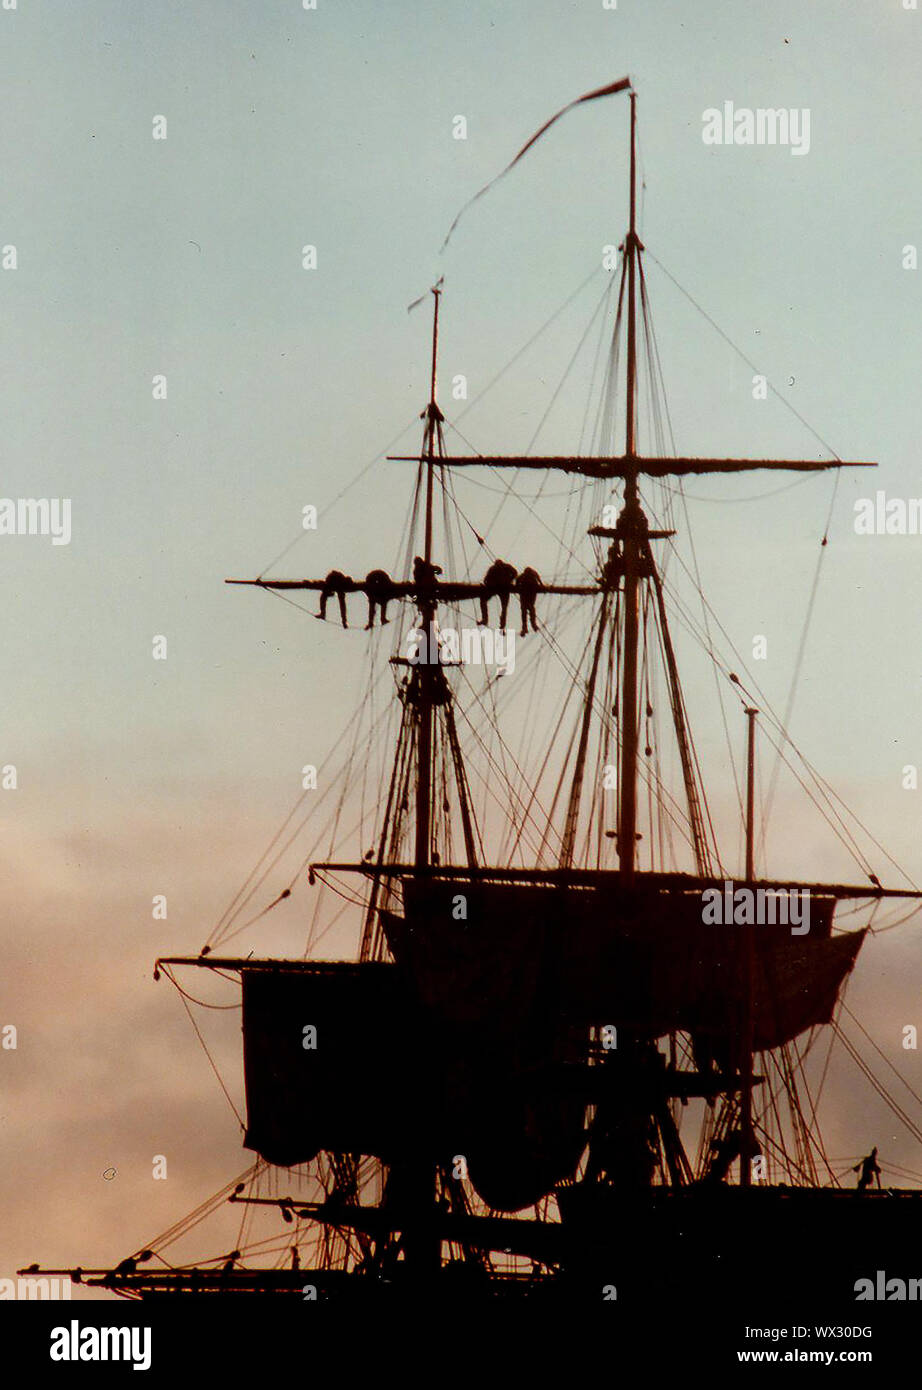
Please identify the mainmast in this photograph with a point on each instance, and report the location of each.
(630, 524)
(425, 674)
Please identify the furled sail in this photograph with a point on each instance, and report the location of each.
(645, 962)
(327, 1061)
(341, 1057)
(467, 1044)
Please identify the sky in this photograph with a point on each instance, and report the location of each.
(182, 257)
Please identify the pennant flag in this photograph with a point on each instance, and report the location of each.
(623, 85)
(439, 282)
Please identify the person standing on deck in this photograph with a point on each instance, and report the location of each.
(869, 1169)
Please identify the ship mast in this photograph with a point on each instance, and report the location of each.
(629, 524)
(424, 674)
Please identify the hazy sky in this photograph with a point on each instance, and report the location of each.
(182, 257)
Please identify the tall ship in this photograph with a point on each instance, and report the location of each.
(568, 1054)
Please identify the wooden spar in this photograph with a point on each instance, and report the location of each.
(633, 522)
(423, 677)
(632, 525)
(422, 1246)
(619, 466)
(443, 590)
(631, 248)
(576, 789)
(750, 795)
(432, 418)
(590, 878)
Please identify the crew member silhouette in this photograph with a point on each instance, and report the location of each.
(378, 589)
(497, 581)
(424, 572)
(335, 583)
(869, 1170)
(527, 586)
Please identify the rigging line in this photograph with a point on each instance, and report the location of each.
(832, 1040)
(341, 892)
(276, 593)
(285, 894)
(528, 822)
(510, 485)
(787, 1162)
(803, 1137)
(878, 1086)
(835, 823)
(740, 353)
(521, 496)
(612, 354)
(896, 1073)
(688, 754)
(839, 829)
(889, 926)
(569, 367)
(212, 1064)
(834, 795)
(220, 935)
(606, 414)
(831, 816)
(802, 647)
(549, 529)
(246, 1216)
(179, 1228)
(795, 1118)
(550, 405)
(526, 751)
(735, 501)
(797, 1161)
(191, 997)
(825, 789)
(449, 493)
(709, 643)
(596, 270)
(317, 937)
(340, 495)
(573, 673)
(649, 777)
(657, 374)
(812, 1135)
(898, 1169)
(518, 792)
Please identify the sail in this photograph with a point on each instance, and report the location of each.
(379, 1076)
(465, 1045)
(645, 962)
(326, 1061)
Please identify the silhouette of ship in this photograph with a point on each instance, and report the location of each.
(496, 1096)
